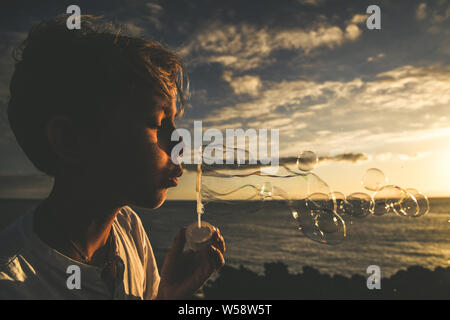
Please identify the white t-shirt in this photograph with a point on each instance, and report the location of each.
(30, 269)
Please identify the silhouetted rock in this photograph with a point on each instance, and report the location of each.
(277, 283)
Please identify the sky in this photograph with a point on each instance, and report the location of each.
(310, 68)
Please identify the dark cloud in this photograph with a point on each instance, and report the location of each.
(289, 161)
(345, 157)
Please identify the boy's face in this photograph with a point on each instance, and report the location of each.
(133, 157)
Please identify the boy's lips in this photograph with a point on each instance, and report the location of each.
(173, 180)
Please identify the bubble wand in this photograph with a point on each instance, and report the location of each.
(198, 189)
(199, 234)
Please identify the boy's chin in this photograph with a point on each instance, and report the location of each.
(152, 200)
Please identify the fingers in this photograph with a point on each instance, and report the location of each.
(218, 241)
(215, 258)
(180, 240)
(209, 260)
(178, 244)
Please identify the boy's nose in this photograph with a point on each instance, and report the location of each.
(176, 140)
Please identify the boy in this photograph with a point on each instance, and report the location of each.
(95, 110)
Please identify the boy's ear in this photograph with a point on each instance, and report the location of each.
(64, 139)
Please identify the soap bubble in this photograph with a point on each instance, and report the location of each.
(374, 179)
(389, 199)
(304, 195)
(321, 225)
(244, 199)
(358, 205)
(320, 200)
(339, 197)
(408, 205)
(266, 191)
(307, 161)
(422, 202)
(244, 187)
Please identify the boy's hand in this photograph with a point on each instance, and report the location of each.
(183, 273)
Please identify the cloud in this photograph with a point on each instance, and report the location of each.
(421, 11)
(439, 14)
(359, 18)
(323, 36)
(345, 157)
(375, 58)
(138, 18)
(404, 88)
(352, 32)
(133, 30)
(247, 84)
(389, 156)
(407, 103)
(287, 93)
(153, 14)
(245, 47)
(311, 2)
(414, 156)
(290, 161)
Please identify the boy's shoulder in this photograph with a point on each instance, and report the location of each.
(11, 242)
(128, 219)
(132, 230)
(14, 267)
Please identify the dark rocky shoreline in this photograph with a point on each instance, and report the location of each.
(277, 283)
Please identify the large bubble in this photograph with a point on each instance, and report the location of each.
(422, 202)
(320, 200)
(394, 199)
(321, 225)
(408, 205)
(358, 205)
(304, 195)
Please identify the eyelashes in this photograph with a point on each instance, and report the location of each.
(164, 126)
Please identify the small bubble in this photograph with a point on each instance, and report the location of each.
(374, 179)
(266, 191)
(307, 161)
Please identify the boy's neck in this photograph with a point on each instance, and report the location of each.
(66, 217)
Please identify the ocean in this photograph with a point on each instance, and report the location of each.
(269, 235)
